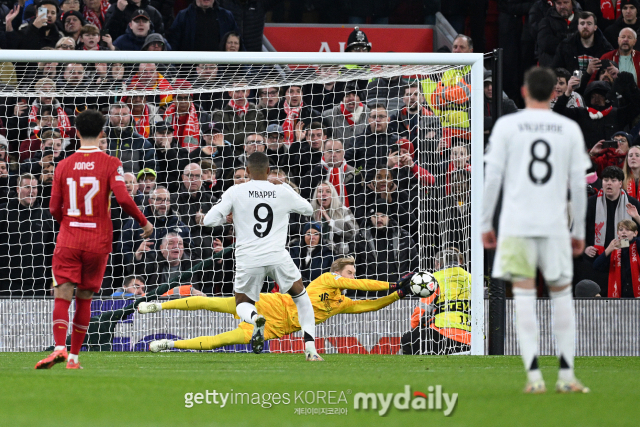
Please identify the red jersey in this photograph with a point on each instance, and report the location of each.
(80, 200)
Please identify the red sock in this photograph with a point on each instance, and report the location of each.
(60, 321)
(80, 323)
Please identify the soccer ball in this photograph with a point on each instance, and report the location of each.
(423, 284)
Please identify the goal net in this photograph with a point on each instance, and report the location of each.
(383, 150)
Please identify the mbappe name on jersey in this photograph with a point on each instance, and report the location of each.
(263, 194)
(540, 127)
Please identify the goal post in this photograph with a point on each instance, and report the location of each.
(371, 66)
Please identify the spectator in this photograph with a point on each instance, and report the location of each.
(121, 13)
(50, 151)
(599, 120)
(442, 331)
(136, 33)
(253, 142)
(462, 44)
(457, 223)
(45, 179)
(66, 43)
(563, 77)
(325, 96)
(214, 148)
(587, 289)
(132, 286)
(310, 255)
(72, 22)
(168, 262)
(631, 171)
(90, 39)
(210, 181)
(68, 5)
(611, 156)
(193, 201)
(415, 122)
(625, 56)
(268, 99)
(201, 27)
(131, 183)
(348, 119)
(459, 157)
(45, 87)
(293, 111)
(163, 220)
(587, 44)
(39, 33)
(110, 77)
(338, 223)
(46, 118)
(239, 117)
(148, 78)
(231, 42)
(184, 116)
(386, 91)
(26, 238)
(206, 76)
(621, 262)
(277, 151)
(508, 106)
(558, 23)
(250, 17)
(147, 181)
(628, 19)
(166, 155)
(386, 249)
(240, 176)
(95, 12)
(402, 160)
(384, 187)
(372, 146)
(135, 152)
(334, 170)
(4, 182)
(143, 113)
(74, 79)
(306, 152)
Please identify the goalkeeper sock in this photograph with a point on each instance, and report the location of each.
(564, 328)
(246, 311)
(220, 305)
(527, 327)
(237, 336)
(306, 318)
(60, 322)
(80, 324)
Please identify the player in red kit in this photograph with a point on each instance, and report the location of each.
(82, 187)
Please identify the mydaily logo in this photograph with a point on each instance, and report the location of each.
(417, 401)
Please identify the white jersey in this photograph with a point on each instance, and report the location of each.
(536, 155)
(260, 219)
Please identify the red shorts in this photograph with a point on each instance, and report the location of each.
(85, 269)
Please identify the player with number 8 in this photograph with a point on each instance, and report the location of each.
(80, 203)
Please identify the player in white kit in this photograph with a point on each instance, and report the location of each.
(536, 155)
(261, 219)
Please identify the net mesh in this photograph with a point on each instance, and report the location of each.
(381, 152)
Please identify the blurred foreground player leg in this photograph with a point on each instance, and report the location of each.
(260, 215)
(82, 187)
(533, 155)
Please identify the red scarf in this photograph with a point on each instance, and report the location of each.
(348, 116)
(289, 123)
(595, 114)
(632, 188)
(142, 122)
(336, 178)
(93, 18)
(64, 125)
(615, 274)
(189, 128)
(161, 84)
(239, 110)
(608, 12)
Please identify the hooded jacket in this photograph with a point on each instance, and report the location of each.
(182, 34)
(552, 30)
(117, 21)
(129, 41)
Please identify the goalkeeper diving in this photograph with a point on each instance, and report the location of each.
(280, 311)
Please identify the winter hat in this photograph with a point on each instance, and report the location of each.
(587, 289)
(312, 224)
(381, 207)
(73, 13)
(154, 38)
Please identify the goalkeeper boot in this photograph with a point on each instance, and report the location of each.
(257, 340)
(574, 386)
(149, 307)
(312, 356)
(56, 357)
(159, 345)
(535, 387)
(71, 364)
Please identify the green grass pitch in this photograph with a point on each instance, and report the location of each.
(144, 389)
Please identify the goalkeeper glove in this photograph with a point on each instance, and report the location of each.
(404, 281)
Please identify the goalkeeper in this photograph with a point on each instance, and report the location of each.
(280, 311)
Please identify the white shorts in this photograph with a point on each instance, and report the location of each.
(249, 281)
(517, 257)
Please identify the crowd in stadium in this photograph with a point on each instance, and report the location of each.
(352, 148)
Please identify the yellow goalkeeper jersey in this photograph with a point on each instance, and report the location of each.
(326, 297)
